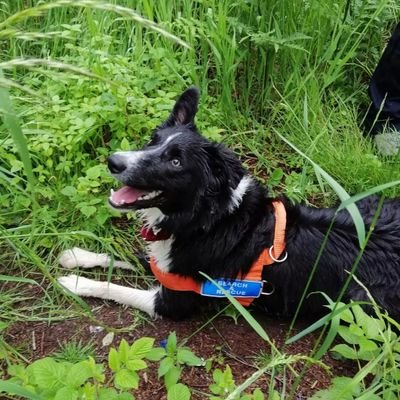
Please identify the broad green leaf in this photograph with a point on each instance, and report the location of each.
(78, 374)
(345, 351)
(114, 361)
(156, 354)
(136, 365)
(172, 377)
(125, 396)
(179, 392)
(171, 343)
(125, 145)
(87, 211)
(107, 394)
(47, 373)
(165, 365)
(66, 393)
(125, 379)
(68, 191)
(123, 351)
(347, 335)
(185, 356)
(141, 347)
(258, 395)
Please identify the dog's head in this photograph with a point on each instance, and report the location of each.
(179, 170)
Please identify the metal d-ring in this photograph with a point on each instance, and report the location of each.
(269, 292)
(278, 260)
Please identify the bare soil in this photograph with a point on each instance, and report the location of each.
(222, 340)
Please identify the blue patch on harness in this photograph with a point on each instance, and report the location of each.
(234, 287)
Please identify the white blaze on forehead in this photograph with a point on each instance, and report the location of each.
(239, 192)
(133, 157)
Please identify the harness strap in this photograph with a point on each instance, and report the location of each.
(268, 256)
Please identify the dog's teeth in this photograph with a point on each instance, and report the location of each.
(150, 195)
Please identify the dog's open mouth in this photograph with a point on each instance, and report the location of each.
(132, 198)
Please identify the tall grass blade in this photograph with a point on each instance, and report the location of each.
(11, 122)
(339, 190)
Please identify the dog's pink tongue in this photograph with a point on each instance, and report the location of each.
(126, 194)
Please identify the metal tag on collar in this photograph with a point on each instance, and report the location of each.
(235, 287)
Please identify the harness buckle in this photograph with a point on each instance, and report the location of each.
(270, 291)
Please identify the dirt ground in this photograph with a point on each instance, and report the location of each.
(228, 343)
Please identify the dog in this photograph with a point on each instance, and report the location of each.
(204, 213)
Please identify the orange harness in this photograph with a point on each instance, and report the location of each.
(268, 256)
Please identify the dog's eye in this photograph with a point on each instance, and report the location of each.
(176, 162)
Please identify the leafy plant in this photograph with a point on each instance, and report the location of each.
(127, 360)
(372, 341)
(172, 358)
(224, 385)
(57, 379)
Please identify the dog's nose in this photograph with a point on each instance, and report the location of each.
(116, 164)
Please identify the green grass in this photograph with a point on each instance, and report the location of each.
(83, 79)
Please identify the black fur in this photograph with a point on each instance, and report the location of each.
(210, 238)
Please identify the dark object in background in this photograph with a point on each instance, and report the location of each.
(384, 91)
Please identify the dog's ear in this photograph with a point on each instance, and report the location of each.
(184, 109)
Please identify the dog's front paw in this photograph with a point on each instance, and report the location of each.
(70, 258)
(77, 257)
(81, 286)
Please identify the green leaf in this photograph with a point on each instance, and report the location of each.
(94, 172)
(11, 122)
(141, 347)
(125, 146)
(88, 210)
(78, 374)
(125, 396)
(339, 190)
(8, 278)
(13, 388)
(156, 354)
(95, 369)
(66, 393)
(347, 335)
(69, 191)
(171, 343)
(123, 351)
(185, 356)
(106, 394)
(165, 365)
(179, 392)
(47, 373)
(345, 351)
(258, 395)
(172, 377)
(136, 365)
(114, 361)
(125, 379)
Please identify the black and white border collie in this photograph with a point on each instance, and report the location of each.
(218, 220)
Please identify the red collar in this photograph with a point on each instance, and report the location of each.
(269, 256)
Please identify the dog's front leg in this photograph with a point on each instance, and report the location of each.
(77, 257)
(143, 300)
